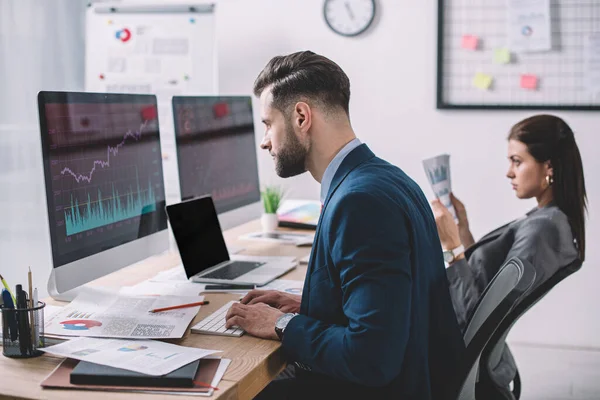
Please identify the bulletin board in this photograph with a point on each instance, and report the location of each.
(484, 61)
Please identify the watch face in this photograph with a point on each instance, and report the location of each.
(448, 256)
(282, 321)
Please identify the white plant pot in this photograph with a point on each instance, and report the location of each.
(269, 222)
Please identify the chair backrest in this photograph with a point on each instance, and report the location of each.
(504, 291)
(492, 352)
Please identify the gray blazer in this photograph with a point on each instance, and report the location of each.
(543, 237)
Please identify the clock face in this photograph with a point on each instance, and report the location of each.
(349, 17)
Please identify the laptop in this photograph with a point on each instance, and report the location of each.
(203, 251)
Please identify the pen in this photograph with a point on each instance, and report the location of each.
(23, 328)
(30, 304)
(36, 331)
(14, 300)
(200, 303)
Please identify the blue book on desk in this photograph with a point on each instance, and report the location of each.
(87, 373)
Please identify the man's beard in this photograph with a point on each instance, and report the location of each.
(291, 159)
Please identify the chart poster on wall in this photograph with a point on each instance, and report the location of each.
(161, 49)
(529, 25)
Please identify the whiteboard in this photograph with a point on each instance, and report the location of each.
(567, 76)
(162, 49)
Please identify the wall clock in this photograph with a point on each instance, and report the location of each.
(349, 17)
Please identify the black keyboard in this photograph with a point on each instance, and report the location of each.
(233, 270)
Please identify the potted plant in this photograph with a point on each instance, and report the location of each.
(271, 197)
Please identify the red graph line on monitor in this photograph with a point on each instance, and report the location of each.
(114, 150)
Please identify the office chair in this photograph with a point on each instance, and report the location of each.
(493, 350)
(505, 290)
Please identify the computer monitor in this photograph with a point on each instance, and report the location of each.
(216, 154)
(104, 184)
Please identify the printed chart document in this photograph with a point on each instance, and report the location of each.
(149, 357)
(101, 313)
(437, 170)
(529, 25)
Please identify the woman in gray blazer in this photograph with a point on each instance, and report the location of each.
(544, 162)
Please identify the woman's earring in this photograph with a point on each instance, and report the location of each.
(549, 180)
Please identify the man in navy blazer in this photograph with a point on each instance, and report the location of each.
(375, 319)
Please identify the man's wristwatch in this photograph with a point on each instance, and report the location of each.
(282, 323)
(451, 255)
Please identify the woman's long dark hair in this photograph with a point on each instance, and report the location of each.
(549, 138)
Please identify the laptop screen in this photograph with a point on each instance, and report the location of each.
(197, 231)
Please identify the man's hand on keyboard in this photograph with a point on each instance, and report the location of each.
(285, 302)
(257, 319)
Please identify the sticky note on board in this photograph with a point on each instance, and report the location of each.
(482, 81)
(529, 81)
(470, 42)
(502, 56)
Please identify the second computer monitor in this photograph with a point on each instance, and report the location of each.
(216, 152)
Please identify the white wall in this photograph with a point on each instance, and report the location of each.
(392, 71)
(41, 48)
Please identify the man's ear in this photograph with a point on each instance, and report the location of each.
(302, 116)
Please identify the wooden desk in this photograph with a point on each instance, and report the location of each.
(255, 362)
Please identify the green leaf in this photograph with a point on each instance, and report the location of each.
(271, 197)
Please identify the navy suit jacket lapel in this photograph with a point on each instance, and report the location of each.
(356, 157)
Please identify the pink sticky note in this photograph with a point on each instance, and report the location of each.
(529, 81)
(470, 42)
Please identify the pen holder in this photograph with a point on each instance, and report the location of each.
(23, 331)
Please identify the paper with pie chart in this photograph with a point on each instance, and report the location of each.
(144, 356)
(529, 25)
(109, 314)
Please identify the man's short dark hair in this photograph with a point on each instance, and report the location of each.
(305, 75)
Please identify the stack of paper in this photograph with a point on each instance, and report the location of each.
(148, 357)
(101, 313)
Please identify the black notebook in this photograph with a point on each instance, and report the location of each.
(86, 373)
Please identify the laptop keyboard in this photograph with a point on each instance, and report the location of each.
(233, 270)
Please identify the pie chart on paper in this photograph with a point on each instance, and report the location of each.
(80, 324)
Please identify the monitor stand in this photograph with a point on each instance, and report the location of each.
(67, 296)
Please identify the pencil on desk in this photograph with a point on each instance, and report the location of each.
(199, 303)
(31, 313)
(206, 385)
